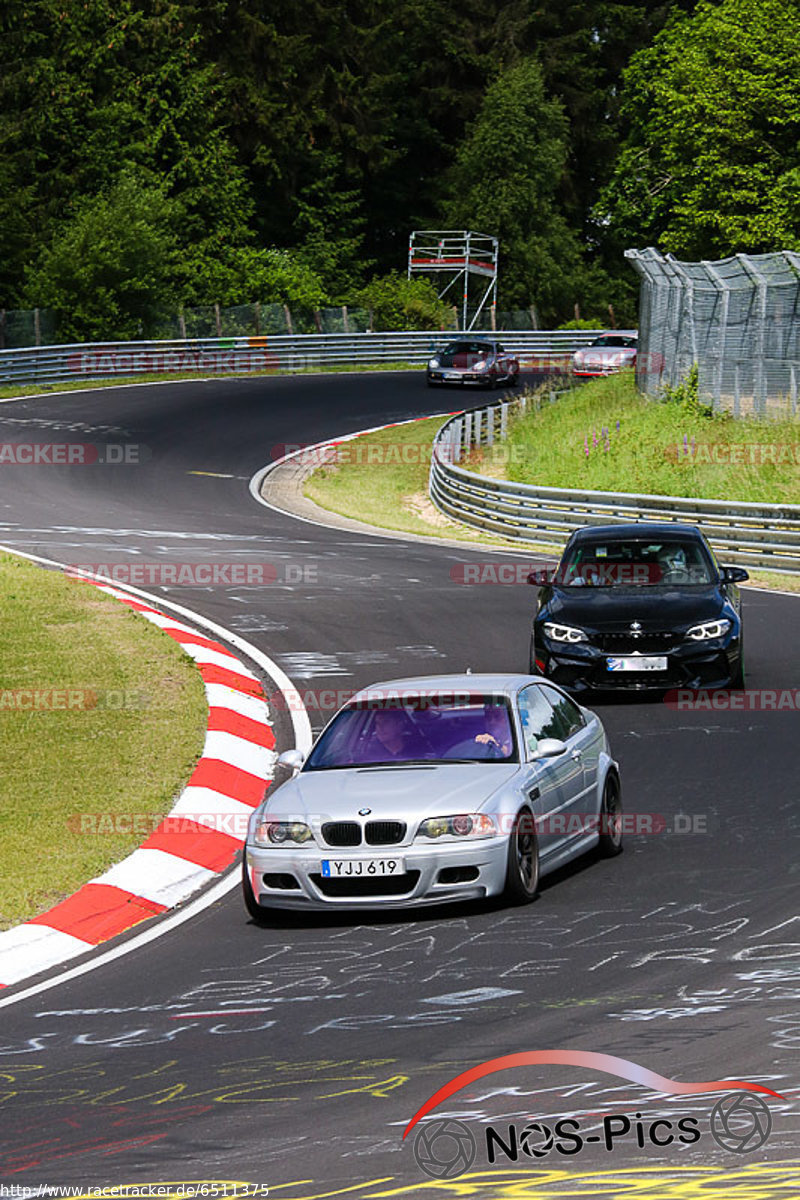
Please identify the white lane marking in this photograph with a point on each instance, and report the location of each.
(302, 736)
(157, 875)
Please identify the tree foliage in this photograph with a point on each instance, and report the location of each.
(397, 302)
(332, 128)
(711, 163)
(107, 271)
(505, 181)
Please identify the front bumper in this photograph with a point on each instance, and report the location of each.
(464, 377)
(582, 667)
(471, 871)
(597, 371)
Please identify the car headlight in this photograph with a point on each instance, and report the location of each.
(482, 365)
(707, 630)
(433, 362)
(577, 357)
(564, 633)
(281, 833)
(464, 825)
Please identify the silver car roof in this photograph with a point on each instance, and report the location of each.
(495, 684)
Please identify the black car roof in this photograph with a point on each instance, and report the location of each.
(640, 530)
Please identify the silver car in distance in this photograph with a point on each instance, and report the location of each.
(435, 789)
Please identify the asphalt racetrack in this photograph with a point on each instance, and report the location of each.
(294, 1056)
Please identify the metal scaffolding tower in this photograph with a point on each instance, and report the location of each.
(462, 256)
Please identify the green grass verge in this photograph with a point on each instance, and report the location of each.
(382, 478)
(125, 742)
(642, 448)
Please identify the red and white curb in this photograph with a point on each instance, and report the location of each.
(198, 839)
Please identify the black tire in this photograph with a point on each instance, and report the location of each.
(611, 818)
(739, 681)
(522, 869)
(254, 909)
(534, 669)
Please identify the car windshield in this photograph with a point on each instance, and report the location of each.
(463, 354)
(417, 729)
(615, 339)
(635, 563)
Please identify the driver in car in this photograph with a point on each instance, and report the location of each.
(390, 733)
(497, 736)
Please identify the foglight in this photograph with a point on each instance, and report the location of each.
(707, 630)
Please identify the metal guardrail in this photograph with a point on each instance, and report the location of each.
(743, 533)
(242, 355)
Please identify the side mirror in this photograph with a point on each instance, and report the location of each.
(734, 574)
(292, 759)
(541, 576)
(549, 748)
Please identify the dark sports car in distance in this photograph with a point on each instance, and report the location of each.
(478, 361)
(640, 606)
(607, 354)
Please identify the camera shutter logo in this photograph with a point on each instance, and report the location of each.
(444, 1149)
(741, 1122)
(536, 1140)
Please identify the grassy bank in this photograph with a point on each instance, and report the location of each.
(100, 715)
(607, 437)
(382, 478)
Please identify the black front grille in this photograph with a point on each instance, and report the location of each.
(645, 643)
(384, 833)
(359, 888)
(342, 833)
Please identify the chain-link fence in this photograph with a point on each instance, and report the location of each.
(39, 327)
(26, 327)
(737, 319)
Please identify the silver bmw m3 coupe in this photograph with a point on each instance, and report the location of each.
(435, 789)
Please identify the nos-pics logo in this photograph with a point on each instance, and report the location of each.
(446, 1148)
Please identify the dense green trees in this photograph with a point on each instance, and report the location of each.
(284, 151)
(711, 163)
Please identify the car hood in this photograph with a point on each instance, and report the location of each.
(406, 792)
(605, 351)
(610, 608)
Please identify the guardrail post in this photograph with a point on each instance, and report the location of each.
(793, 388)
(503, 420)
(490, 415)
